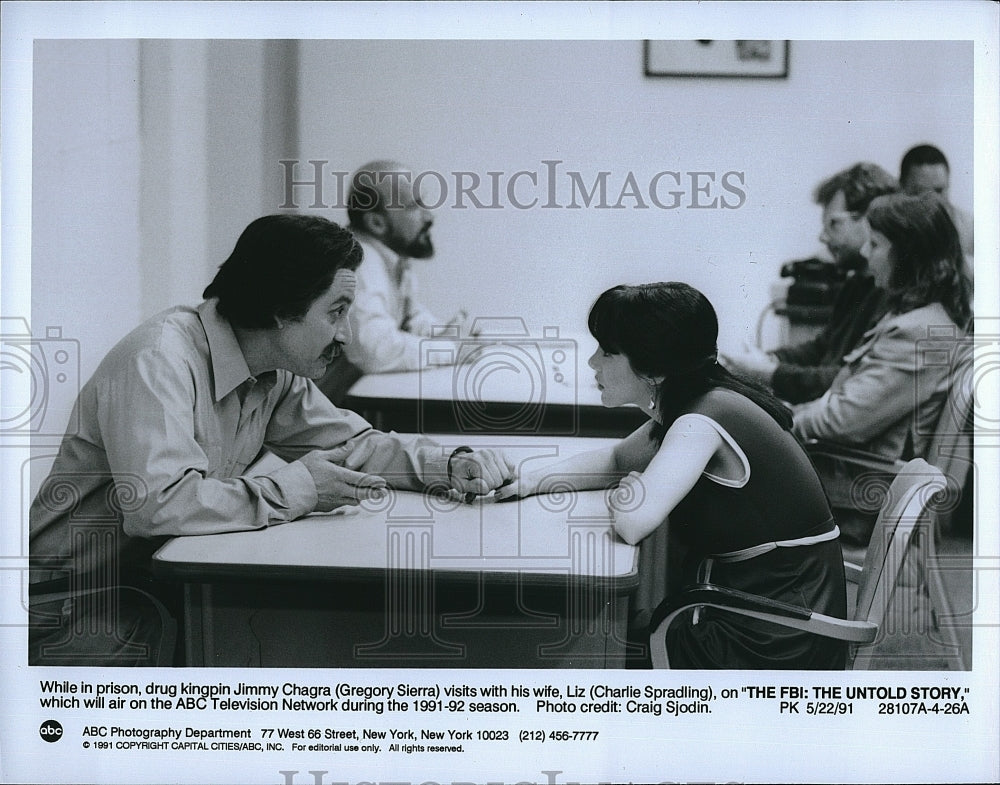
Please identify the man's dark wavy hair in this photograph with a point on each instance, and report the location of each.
(860, 183)
(921, 155)
(280, 265)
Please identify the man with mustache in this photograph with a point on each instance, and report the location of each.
(388, 321)
(165, 430)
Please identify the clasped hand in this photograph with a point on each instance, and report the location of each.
(524, 483)
(339, 482)
(479, 472)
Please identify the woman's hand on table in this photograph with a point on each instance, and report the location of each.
(524, 484)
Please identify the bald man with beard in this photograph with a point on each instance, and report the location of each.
(387, 319)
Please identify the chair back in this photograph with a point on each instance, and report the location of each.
(950, 446)
(907, 507)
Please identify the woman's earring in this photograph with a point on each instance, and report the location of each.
(652, 397)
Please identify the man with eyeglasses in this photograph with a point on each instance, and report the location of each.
(388, 321)
(804, 371)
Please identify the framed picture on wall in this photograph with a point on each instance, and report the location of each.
(717, 58)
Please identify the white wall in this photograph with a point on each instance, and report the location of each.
(86, 279)
(509, 105)
(217, 117)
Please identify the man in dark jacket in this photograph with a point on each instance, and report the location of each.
(804, 371)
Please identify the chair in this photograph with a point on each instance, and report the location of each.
(906, 508)
(950, 445)
(949, 450)
(158, 652)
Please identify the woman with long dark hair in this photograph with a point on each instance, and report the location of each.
(717, 465)
(887, 397)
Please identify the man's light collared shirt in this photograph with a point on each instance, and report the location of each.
(167, 425)
(387, 321)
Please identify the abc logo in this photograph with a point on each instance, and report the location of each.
(50, 730)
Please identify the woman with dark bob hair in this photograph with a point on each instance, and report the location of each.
(717, 457)
(888, 395)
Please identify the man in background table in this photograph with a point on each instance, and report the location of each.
(388, 320)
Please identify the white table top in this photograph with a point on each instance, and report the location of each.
(540, 539)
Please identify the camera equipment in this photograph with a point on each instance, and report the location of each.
(814, 282)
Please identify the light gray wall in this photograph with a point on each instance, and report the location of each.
(509, 105)
(86, 275)
(149, 158)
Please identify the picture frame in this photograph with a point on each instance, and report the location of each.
(717, 58)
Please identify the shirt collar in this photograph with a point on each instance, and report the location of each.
(395, 264)
(229, 366)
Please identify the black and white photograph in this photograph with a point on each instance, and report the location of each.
(499, 392)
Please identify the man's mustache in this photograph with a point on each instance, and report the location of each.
(334, 350)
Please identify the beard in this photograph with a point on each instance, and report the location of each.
(420, 246)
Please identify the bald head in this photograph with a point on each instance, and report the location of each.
(376, 186)
(381, 203)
